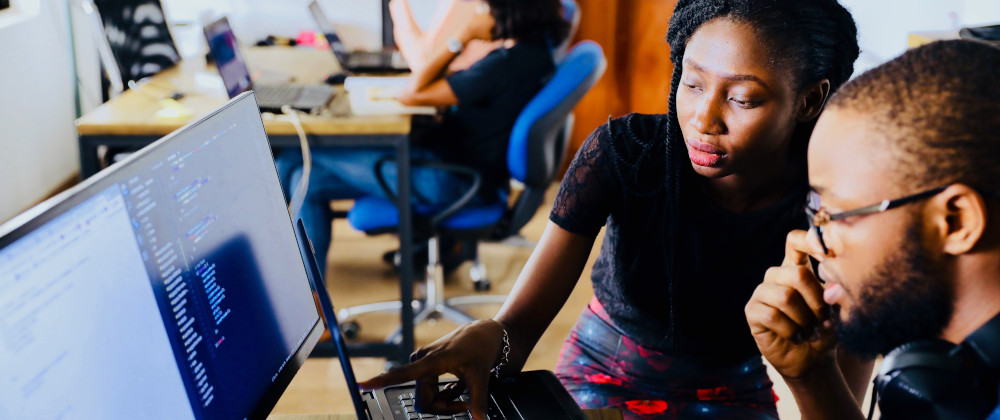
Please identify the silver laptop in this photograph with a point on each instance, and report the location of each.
(168, 286)
(389, 61)
(232, 67)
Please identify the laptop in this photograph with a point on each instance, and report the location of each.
(235, 75)
(525, 396)
(389, 61)
(169, 286)
(173, 285)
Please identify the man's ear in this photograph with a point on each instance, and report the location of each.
(812, 100)
(958, 216)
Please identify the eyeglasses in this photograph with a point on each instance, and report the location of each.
(819, 217)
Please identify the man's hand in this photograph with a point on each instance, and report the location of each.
(787, 315)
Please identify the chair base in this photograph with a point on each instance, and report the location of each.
(434, 305)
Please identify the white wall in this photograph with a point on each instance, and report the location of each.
(358, 21)
(37, 106)
(38, 148)
(883, 25)
(37, 95)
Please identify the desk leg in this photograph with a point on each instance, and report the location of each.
(406, 250)
(88, 156)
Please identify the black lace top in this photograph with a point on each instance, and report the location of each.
(616, 181)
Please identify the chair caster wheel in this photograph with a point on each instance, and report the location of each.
(350, 329)
(482, 285)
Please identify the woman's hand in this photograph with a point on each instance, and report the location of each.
(479, 26)
(469, 353)
(787, 315)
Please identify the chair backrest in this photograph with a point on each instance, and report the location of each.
(571, 12)
(537, 146)
(138, 36)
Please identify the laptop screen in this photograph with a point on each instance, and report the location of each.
(228, 58)
(329, 32)
(168, 286)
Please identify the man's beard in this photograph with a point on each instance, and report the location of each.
(908, 297)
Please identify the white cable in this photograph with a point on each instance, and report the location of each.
(299, 195)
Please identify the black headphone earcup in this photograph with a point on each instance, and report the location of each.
(926, 379)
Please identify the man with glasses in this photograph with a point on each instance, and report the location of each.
(905, 170)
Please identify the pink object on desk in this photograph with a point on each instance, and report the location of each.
(306, 38)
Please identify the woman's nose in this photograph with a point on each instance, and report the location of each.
(707, 118)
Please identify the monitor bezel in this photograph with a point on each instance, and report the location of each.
(29, 220)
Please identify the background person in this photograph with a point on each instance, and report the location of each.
(483, 102)
(417, 45)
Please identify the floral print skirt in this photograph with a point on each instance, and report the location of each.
(602, 367)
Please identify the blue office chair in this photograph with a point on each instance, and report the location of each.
(534, 155)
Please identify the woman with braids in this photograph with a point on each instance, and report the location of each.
(696, 205)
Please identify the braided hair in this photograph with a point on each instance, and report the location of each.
(817, 39)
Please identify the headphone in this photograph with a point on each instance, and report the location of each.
(935, 379)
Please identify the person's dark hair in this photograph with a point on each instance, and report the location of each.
(529, 19)
(939, 107)
(817, 39)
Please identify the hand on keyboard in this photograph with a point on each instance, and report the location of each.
(469, 353)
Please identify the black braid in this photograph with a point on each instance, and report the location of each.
(817, 38)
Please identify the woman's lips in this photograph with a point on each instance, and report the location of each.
(704, 154)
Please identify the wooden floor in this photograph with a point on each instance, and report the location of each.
(356, 275)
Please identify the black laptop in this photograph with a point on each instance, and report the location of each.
(526, 396)
(232, 67)
(388, 61)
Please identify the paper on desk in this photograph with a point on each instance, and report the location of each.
(380, 96)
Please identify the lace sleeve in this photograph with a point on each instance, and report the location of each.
(588, 189)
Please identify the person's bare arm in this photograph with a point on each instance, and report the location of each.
(409, 37)
(857, 372)
(822, 393)
(789, 322)
(418, 47)
(451, 21)
(427, 84)
(470, 351)
(545, 283)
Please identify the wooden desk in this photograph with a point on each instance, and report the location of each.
(136, 118)
(139, 117)
(594, 414)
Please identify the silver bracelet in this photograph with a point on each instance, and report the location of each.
(505, 356)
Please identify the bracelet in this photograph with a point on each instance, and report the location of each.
(504, 359)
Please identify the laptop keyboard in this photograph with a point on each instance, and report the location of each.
(370, 59)
(278, 94)
(406, 400)
(307, 95)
